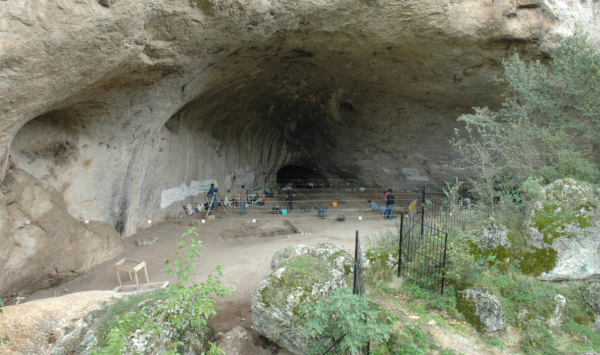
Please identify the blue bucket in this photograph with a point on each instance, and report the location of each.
(283, 211)
(383, 209)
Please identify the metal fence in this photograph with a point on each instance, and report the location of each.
(422, 255)
(451, 205)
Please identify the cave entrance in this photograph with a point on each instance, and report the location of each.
(301, 177)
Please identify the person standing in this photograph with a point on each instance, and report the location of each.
(289, 198)
(212, 193)
(243, 196)
(390, 199)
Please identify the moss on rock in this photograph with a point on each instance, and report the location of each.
(303, 276)
(563, 232)
(481, 308)
(592, 296)
(337, 258)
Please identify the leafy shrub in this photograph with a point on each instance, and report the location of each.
(352, 320)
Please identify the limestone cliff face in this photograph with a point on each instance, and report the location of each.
(129, 107)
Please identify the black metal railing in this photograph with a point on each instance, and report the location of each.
(422, 254)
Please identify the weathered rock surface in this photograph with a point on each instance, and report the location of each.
(556, 319)
(237, 341)
(482, 309)
(337, 258)
(592, 296)
(564, 228)
(42, 245)
(36, 327)
(491, 235)
(299, 279)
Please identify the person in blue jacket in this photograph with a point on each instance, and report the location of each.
(212, 192)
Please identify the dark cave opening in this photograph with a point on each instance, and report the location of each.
(301, 177)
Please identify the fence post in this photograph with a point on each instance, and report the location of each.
(355, 290)
(444, 263)
(423, 213)
(400, 246)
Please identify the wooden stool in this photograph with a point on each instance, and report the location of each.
(131, 265)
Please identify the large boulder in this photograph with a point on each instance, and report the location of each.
(337, 258)
(563, 232)
(300, 279)
(491, 235)
(482, 309)
(46, 326)
(41, 245)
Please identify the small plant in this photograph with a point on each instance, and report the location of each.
(352, 320)
(5, 339)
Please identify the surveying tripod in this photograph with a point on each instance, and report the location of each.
(214, 199)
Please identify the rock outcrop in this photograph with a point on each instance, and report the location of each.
(41, 244)
(491, 235)
(300, 279)
(592, 296)
(38, 327)
(337, 258)
(563, 229)
(239, 341)
(482, 309)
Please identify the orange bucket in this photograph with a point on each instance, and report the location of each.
(334, 204)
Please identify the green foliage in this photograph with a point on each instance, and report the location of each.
(357, 320)
(109, 316)
(181, 307)
(5, 339)
(549, 126)
(431, 299)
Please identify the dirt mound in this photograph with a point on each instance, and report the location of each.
(260, 229)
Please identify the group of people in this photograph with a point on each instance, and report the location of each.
(241, 198)
(290, 193)
(389, 200)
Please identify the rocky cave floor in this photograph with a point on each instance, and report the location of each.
(247, 260)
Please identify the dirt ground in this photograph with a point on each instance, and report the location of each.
(246, 260)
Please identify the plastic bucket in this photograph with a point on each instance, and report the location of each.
(283, 211)
(334, 204)
(383, 209)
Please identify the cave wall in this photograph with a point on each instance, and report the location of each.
(126, 108)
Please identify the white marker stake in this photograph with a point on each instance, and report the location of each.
(27, 222)
(87, 221)
(149, 221)
(360, 218)
(203, 221)
(253, 221)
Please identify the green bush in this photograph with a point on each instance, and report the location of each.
(356, 320)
